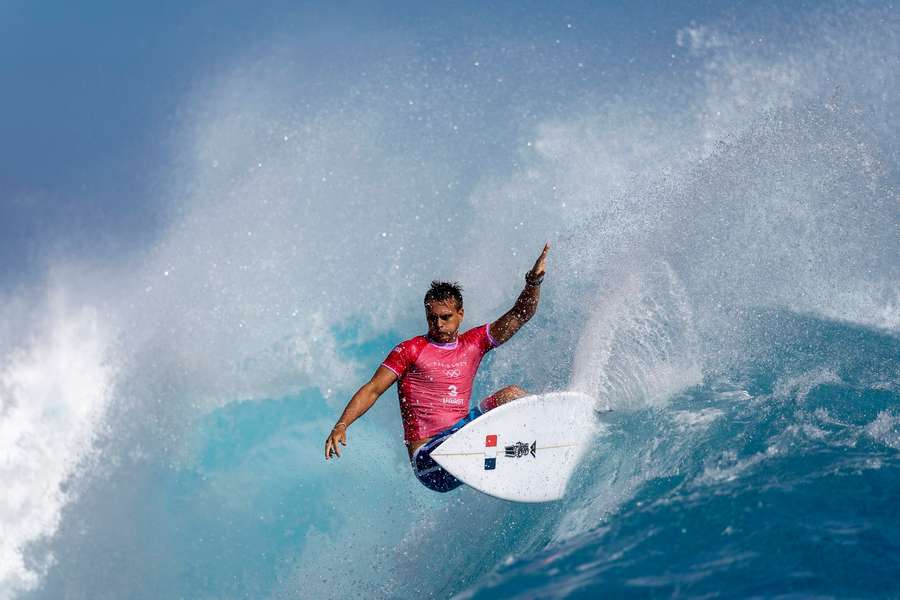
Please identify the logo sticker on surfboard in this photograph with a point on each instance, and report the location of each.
(490, 452)
(517, 450)
(520, 449)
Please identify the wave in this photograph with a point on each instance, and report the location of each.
(752, 485)
(724, 248)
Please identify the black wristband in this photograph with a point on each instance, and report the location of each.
(533, 281)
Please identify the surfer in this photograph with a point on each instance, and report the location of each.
(435, 372)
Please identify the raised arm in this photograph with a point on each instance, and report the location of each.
(361, 401)
(526, 304)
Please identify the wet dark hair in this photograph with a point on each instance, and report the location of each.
(442, 291)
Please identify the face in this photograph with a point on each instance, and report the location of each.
(444, 319)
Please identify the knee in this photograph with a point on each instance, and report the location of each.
(502, 396)
(513, 391)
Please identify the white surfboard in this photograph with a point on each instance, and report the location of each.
(525, 450)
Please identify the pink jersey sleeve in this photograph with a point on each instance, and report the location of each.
(481, 337)
(399, 359)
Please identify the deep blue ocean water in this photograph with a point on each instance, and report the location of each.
(764, 491)
(220, 219)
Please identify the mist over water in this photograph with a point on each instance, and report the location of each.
(724, 276)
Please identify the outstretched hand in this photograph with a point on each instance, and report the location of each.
(539, 268)
(337, 435)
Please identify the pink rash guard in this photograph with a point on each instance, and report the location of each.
(435, 380)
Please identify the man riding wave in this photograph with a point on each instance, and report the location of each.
(435, 373)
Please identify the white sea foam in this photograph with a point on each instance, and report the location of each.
(886, 429)
(728, 467)
(872, 303)
(799, 386)
(687, 419)
(54, 389)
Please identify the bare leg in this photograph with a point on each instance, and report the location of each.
(502, 396)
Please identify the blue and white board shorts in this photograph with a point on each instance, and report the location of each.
(431, 474)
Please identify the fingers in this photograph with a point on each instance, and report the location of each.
(332, 448)
(539, 263)
(331, 444)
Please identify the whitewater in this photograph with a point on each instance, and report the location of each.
(725, 276)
